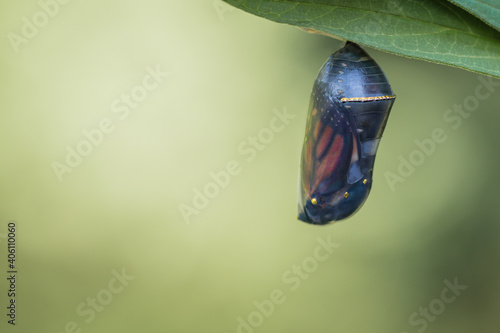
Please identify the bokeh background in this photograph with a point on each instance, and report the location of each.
(119, 209)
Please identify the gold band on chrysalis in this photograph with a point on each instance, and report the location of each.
(366, 99)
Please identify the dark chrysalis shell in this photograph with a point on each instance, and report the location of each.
(350, 103)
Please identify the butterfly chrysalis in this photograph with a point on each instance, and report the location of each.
(350, 104)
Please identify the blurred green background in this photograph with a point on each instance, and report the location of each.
(119, 209)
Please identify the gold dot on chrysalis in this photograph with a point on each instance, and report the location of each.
(365, 181)
(346, 195)
(314, 201)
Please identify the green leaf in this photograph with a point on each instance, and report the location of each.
(433, 30)
(486, 10)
